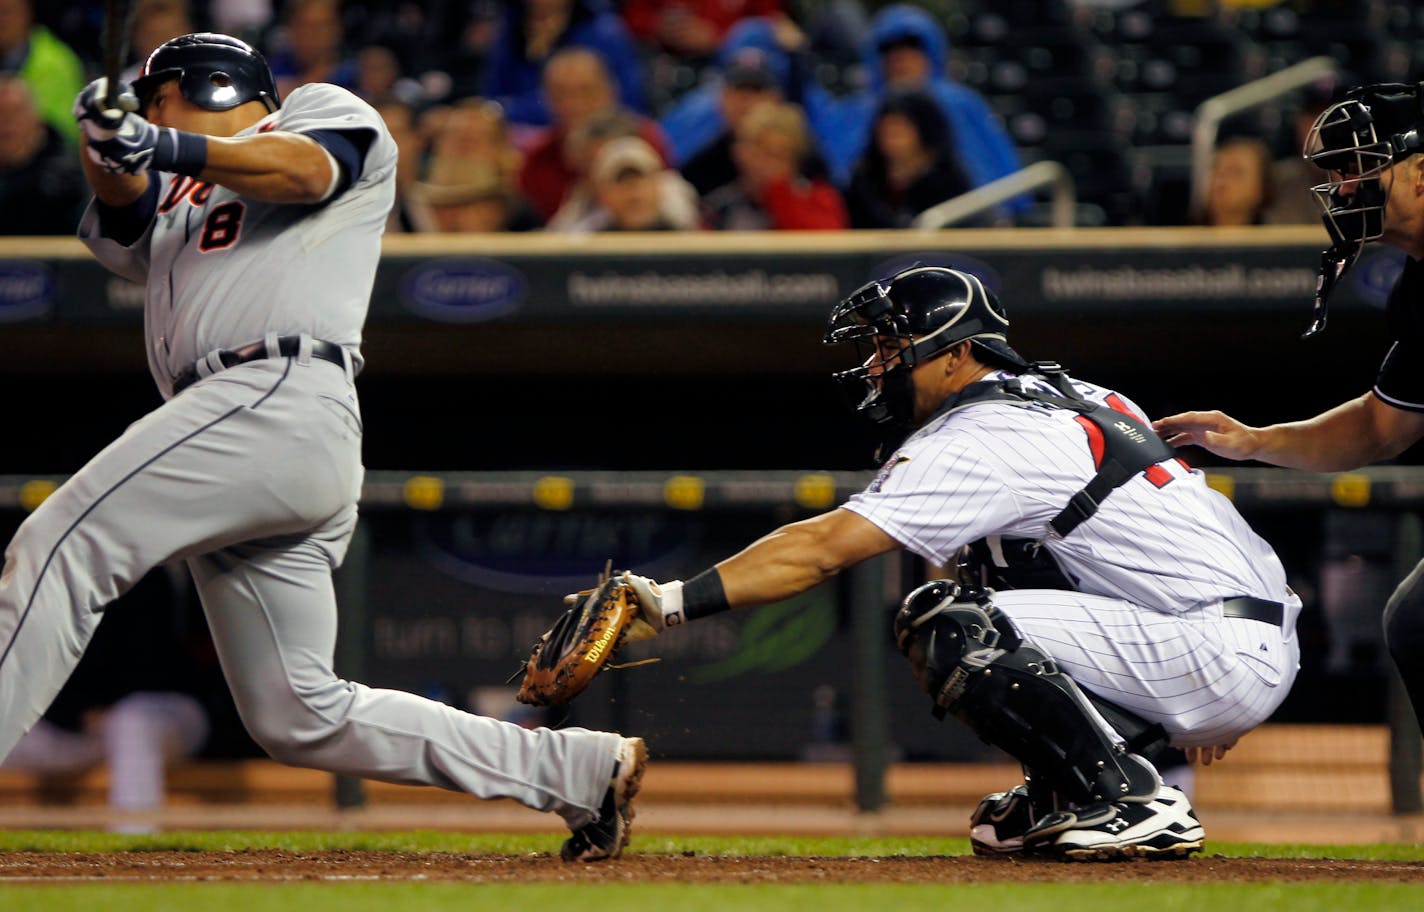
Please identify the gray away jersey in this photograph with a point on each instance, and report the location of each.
(223, 271)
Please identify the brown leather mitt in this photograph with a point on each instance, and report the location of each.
(581, 643)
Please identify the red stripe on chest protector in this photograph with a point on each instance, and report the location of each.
(1154, 473)
(1095, 440)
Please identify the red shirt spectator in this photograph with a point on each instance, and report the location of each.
(691, 28)
(578, 90)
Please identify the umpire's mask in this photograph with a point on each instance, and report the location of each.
(1357, 141)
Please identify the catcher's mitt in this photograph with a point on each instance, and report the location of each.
(581, 643)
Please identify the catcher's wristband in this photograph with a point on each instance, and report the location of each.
(180, 153)
(703, 595)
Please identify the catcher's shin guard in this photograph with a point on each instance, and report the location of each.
(1012, 694)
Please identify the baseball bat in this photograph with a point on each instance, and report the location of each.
(118, 26)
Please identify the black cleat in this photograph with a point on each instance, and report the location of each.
(606, 837)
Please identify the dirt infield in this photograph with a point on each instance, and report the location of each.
(31, 867)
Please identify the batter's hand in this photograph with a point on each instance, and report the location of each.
(129, 150)
(1215, 431)
(98, 121)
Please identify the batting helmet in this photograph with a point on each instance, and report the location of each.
(214, 71)
(1356, 141)
(907, 319)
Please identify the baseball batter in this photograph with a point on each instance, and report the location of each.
(254, 224)
(1131, 607)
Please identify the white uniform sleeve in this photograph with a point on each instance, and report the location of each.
(937, 495)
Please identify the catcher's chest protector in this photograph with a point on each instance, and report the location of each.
(1122, 446)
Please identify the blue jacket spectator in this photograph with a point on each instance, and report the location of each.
(695, 121)
(527, 39)
(843, 125)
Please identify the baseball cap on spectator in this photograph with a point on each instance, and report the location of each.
(454, 181)
(623, 157)
(750, 68)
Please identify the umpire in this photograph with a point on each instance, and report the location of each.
(1367, 146)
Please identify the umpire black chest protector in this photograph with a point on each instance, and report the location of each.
(1122, 446)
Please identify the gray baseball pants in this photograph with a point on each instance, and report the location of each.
(252, 476)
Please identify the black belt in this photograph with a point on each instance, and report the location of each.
(1244, 606)
(287, 347)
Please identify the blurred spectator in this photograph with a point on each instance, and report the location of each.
(311, 47)
(473, 129)
(466, 195)
(53, 71)
(471, 181)
(749, 80)
(400, 119)
(579, 89)
(533, 31)
(156, 21)
(909, 166)
(691, 29)
(147, 693)
(462, 63)
(698, 119)
(42, 190)
(580, 148)
(772, 190)
(246, 19)
(1238, 189)
(379, 79)
(908, 49)
(634, 190)
(1292, 176)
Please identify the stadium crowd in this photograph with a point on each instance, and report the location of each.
(595, 115)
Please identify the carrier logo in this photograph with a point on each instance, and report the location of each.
(463, 290)
(26, 291)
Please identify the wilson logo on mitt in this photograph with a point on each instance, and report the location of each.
(581, 644)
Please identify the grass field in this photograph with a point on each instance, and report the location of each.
(614, 892)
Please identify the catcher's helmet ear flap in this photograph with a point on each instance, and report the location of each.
(911, 317)
(216, 72)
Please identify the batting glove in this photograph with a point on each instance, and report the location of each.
(130, 149)
(95, 117)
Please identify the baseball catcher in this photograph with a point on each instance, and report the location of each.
(584, 640)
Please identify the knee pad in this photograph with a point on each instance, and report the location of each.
(1011, 693)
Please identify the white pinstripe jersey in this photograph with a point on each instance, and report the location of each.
(1163, 539)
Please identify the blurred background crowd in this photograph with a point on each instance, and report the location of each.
(594, 115)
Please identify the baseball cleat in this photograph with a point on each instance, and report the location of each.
(998, 824)
(1165, 827)
(606, 836)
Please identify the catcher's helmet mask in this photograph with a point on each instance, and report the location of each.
(216, 72)
(1358, 141)
(912, 317)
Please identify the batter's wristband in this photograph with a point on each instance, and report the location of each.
(180, 153)
(703, 595)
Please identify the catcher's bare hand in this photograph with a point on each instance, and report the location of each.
(1205, 755)
(1215, 431)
